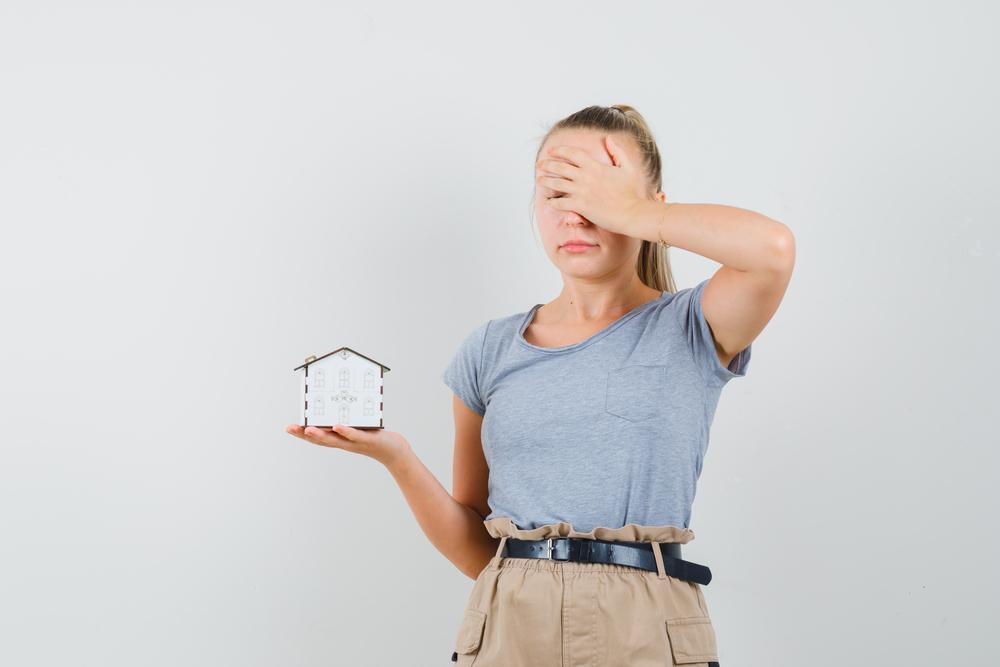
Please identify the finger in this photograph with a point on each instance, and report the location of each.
(576, 156)
(549, 193)
(557, 167)
(560, 203)
(323, 436)
(351, 433)
(296, 430)
(557, 184)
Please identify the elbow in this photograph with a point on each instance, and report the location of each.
(782, 255)
(473, 566)
(473, 571)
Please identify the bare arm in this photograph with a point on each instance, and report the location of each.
(453, 523)
(757, 256)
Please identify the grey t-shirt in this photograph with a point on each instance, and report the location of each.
(609, 431)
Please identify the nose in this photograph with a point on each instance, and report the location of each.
(575, 220)
(572, 217)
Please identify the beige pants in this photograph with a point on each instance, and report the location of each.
(541, 613)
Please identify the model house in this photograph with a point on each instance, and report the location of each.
(341, 387)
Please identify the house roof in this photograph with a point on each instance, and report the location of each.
(314, 358)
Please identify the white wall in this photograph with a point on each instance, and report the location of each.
(196, 196)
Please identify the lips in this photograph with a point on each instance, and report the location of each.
(578, 242)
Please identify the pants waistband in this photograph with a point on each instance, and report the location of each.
(664, 558)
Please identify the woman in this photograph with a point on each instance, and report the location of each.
(582, 424)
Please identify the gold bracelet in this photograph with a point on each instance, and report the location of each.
(659, 228)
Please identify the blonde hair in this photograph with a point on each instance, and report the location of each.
(653, 262)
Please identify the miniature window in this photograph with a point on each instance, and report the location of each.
(318, 406)
(369, 406)
(369, 380)
(345, 413)
(319, 380)
(345, 378)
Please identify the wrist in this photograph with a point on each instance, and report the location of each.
(399, 458)
(663, 230)
(652, 215)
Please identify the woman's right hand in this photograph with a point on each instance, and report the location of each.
(379, 444)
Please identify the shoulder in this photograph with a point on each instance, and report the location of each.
(494, 333)
(675, 308)
(506, 326)
(684, 298)
(683, 314)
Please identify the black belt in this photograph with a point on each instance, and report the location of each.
(632, 554)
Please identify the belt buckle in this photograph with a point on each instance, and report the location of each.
(548, 548)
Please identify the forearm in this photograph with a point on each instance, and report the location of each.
(732, 236)
(456, 530)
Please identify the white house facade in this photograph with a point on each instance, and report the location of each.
(342, 387)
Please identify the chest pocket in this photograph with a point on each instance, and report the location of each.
(636, 392)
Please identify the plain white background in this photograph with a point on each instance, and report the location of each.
(196, 196)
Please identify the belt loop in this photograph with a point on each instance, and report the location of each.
(495, 561)
(661, 573)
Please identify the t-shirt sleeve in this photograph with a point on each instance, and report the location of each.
(700, 342)
(464, 374)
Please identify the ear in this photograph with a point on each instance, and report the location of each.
(615, 151)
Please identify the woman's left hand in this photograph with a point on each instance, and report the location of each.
(607, 195)
(384, 446)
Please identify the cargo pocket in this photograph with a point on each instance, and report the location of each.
(692, 641)
(470, 635)
(635, 392)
